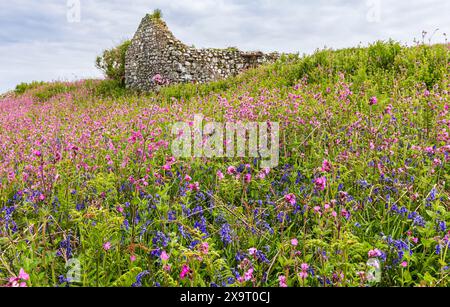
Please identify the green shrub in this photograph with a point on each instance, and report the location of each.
(109, 88)
(50, 90)
(112, 62)
(382, 54)
(23, 87)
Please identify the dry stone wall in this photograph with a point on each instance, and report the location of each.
(155, 57)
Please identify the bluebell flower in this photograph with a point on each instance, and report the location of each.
(201, 225)
(156, 253)
(299, 178)
(363, 183)
(403, 211)
(240, 256)
(182, 232)
(80, 207)
(139, 277)
(225, 234)
(197, 210)
(262, 257)
(160, 240)
(65, 248)
(442, 226)
(172, 215)
(126, 224)
(285, 178)
(438, 249)
(419, 221)
(283, 217)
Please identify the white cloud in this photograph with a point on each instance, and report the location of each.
(37, 42)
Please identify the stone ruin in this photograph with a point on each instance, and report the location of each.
(155, 58)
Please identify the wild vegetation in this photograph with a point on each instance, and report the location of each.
(88, 182)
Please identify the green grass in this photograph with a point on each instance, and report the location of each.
(88, 163)
(374, 67)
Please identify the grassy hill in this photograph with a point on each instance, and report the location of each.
(88, 174)
(374, 67)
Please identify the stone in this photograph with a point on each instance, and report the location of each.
(154, 50)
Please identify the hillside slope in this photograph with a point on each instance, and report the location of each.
(87, 173)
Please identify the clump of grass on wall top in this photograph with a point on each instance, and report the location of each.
(157, 14)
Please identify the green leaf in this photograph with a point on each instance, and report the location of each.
(127, 279)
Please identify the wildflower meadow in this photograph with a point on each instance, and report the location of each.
(92, 193)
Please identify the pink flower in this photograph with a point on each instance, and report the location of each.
(305, 267)
(326, 166)
(373, 101)
(345, 213)
(429, 150)
(107, 246)
(291, 199)
(37, 153)
(164, 256)
(321, 183)
(188, 178)
(252, 251)
(23, 275)
(283, 281)
(167, 167)
(317, 209)
(14, 282)
(375, 253)
(184, 271)
(248, 275)
(231, 170)
(264, 173)
(294, 242)
(158, 79)
(42, 197)
(220, 175)
(404, 264)
(204, 248)
(132, 258)
(194, 186)
(389, 109)
(248, 178)
(334, 214)
(119, 209)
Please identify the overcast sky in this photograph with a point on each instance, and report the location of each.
(48, 40)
